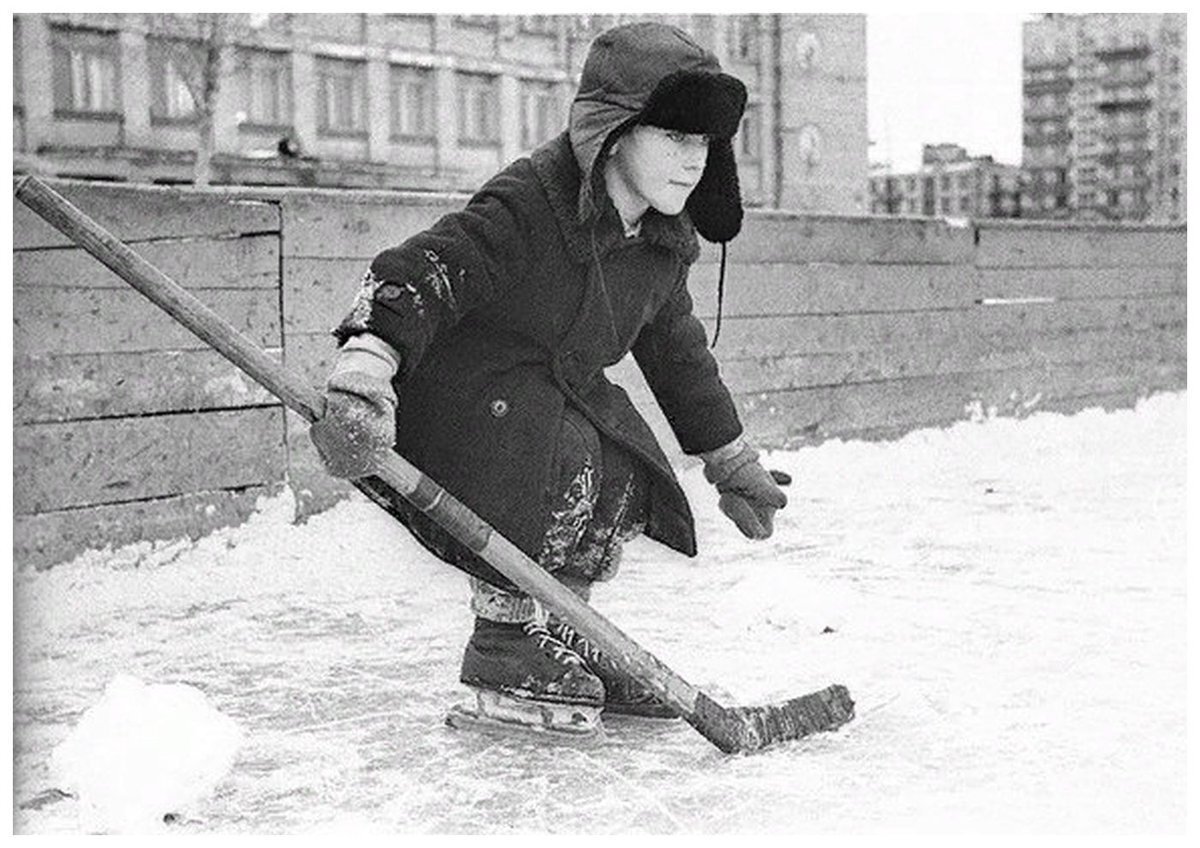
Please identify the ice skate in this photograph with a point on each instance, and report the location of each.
(523, 678)
(622, 694)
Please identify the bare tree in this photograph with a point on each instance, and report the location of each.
(196, 49)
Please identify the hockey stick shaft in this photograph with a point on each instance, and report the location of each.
(730, 729)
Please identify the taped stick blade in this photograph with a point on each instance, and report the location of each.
(746, 729)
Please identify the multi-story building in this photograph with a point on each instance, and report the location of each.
(1105, 117)
(406, 101)
(949, 183)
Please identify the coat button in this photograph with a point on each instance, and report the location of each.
(388, 291)
(499, 408)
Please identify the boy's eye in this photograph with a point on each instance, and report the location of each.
(690, 139)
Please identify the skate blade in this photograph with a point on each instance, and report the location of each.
(494, 711)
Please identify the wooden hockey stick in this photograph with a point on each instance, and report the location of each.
(732, 729)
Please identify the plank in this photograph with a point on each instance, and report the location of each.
(318, 291)
(60, 387)
(311, 355)
(140, 212)
(776, 288)
(1009, 245)
(778, 236)
(87, 320)
(997, 352)
(85, 463)
(816, 334)
(801, 416)
(1082, 283)
(242, 262)
(358, 224)
(43, 540)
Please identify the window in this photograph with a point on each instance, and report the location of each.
(743, 38)
(266, 79)
(944, 183)
(540, 118)
(341, 96)
(411, 102)
(85, 71)
(750, 134)
(945, 204)
(964, 181)
(478, 118)
(964, 203)
(176, 76)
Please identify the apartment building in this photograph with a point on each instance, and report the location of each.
(949, 183)
(1105, 122)
(427, 102)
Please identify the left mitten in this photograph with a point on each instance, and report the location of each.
(749, 495)
(358, 427)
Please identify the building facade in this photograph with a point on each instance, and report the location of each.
(949, 183)
(427, 102)
(1105, 117)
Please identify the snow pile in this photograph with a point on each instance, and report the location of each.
(142, 753)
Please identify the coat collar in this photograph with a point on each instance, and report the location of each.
(555, 166)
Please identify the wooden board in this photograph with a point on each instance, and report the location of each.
(1007, 246)
(982, 354)
(359, 226)
(743, 338)
(52, 387)
(774, 288)
(242, 262)
(40, 541)
(769, 236)
(802, 415)
(133, 213)
(84, 463)
(87, 320)
(1082, 283)
(314, 489)
(318, 292)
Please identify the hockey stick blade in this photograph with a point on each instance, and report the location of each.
(739, 730)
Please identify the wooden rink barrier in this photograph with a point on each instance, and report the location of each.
(127, 428)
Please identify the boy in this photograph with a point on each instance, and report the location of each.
(493, 328)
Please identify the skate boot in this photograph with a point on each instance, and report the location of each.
(525, 678)
(622, 694)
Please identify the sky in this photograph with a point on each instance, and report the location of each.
(941, 77)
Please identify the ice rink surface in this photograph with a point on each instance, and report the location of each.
(1005, 600)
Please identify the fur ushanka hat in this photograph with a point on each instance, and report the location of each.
(652, 73)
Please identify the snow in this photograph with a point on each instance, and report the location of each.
(142, 753)
(1005, 600)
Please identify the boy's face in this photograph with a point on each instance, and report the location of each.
(661, 167)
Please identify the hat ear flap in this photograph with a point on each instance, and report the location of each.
(715, 205)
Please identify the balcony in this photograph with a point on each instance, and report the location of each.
(1058, 139)
(1046, 113)
(1130, 103)
(1112, 135)
(1122, 52)
(1050, 86)
(1118, 80)
(1044, 63)
(1124, 157)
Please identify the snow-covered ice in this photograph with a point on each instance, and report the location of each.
(1004, 599)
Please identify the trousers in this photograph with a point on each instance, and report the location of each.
(600, 504)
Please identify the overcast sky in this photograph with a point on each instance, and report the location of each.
(944, 78)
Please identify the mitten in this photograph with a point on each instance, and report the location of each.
(358, 427)
(749, 496)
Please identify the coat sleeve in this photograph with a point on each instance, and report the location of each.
(672, 352)
(430, 281)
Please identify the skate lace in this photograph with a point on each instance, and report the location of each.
(547, 642)
(578, 643)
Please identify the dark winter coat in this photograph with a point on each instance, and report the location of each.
(510, 309)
